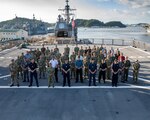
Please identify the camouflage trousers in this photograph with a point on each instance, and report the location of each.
(14, 79)
(135, 75)
(50, 80)
(86, 72)
(73, 73)
(42, 72)
(108, 73)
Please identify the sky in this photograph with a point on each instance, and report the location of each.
(126, 11)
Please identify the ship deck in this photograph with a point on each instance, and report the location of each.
(79, 102)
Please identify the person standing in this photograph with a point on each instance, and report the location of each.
(54, 63)
(115, 71)
(72, 68)
(24, 66)
(13, 73)
(136, 67)
(42, 67)
(79, 67)
(108, 71)
(66, 72)
(127, 65)
(102, 71)
(33, 73)
(76, 49)
(50, 73)
(92, 72)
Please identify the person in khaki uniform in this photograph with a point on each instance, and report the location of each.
(50, 74)
(42, 67)
(136, 67)
(85, 66)
(108, 71)
(13, 73)
(72, 69)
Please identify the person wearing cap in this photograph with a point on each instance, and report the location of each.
(92, 72)
(54, 63)
(33, 72)
(115, 71)
(13, 73)
(66, 72)
(136, 67)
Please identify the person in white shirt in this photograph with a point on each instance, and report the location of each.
(54, 63)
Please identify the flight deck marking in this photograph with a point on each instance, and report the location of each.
(77, 87)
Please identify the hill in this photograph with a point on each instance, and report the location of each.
(94, 22)
(20, 23)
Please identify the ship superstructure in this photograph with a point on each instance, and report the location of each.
(65, 25)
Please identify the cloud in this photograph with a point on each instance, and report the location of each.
(137, 3)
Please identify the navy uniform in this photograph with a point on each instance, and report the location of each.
(66, 73)
(79, 68)
(115, 70)
(33, 73)
(92, 72)
(102, 71)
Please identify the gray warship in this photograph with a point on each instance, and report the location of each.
(65, 25)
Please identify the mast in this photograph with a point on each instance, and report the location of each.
(67, 13)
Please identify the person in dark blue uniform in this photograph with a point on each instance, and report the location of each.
(66, 72)
(33, 73)
(115, 71)
(79, 67)
(92, 72)
(102, 71)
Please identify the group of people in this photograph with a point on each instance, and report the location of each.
(82, 64)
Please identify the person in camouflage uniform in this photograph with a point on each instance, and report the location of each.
(47, 51)
(136, 67)
(85, 66)
(38, 54)
(108, 71)
(24, 67)
(67, 50)
(81, 51)
(94, 57)
(127, 65)
(19, 68)
(56, 49)
(13, 73)
(42, 67)
(50, 74)
(76, 49)
(73, 56)
(100, 57)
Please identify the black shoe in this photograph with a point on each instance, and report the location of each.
(95, 85)
(30, 86)
(24, 81)
(11, 85)
(17, 85)
(37, 85)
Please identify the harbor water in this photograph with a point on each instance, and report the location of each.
(127, 34)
